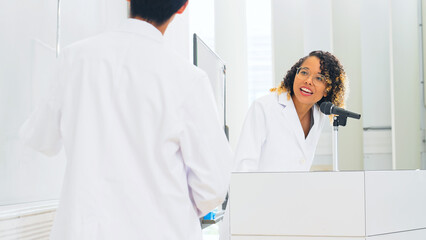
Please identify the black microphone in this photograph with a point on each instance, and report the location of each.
(328, 108)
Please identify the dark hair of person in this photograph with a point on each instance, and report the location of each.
(155, 11)
(331, 69)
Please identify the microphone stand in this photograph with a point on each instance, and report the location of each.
(339, 120)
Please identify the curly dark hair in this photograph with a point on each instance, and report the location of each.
(331, 69)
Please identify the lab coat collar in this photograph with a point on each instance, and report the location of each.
(282, 99)
(142, 28)
(289, 112)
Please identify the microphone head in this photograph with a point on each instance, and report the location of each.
(325, 107)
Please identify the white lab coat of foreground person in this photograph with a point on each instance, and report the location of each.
(146, 154)
(282, 129)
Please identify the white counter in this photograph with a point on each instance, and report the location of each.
(374, 205)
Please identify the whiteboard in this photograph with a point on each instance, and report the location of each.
(214, 66)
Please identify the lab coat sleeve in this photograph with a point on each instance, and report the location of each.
(205, 149)
(252, 137)
(41, 131)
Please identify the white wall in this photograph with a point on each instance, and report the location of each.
(80, 19)
(201, 21)
(28, 54)
(231, 46)
(287, 35)
(376, 41)
(317, 27)
(259, 49)
(347, 47)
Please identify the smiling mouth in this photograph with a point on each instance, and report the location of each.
(306, 91)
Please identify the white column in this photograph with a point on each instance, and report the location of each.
(375, 42)
(405, 85)
(318, 25)
(231, 46)
(347, 47)
(375, 30)
(287, 35)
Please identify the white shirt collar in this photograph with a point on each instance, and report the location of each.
(141, 27)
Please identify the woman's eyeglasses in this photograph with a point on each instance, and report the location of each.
(304, 73)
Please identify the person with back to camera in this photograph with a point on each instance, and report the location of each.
(282, 129)
(146, 153)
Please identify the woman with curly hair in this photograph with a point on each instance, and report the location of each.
(282, 129)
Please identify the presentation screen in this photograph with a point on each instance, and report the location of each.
(210, 62)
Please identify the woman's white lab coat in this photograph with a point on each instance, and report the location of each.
(146, 154)
(272, 140)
